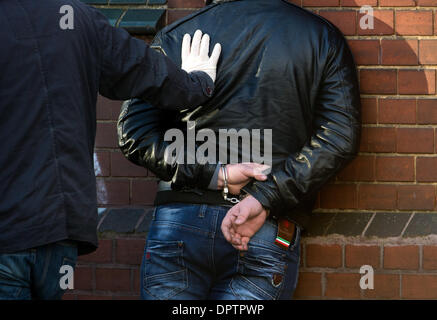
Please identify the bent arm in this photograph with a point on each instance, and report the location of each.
(141, 129)
(333, 144)
(130, 68)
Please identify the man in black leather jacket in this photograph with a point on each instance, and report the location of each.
(51, 76)
(285, 69)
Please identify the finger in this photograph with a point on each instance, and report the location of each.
(245, 243)
(204, 47)
(255, 170)
(260, 169)
(226, 226)
(186, 46)
(243, 214)
(232, 232)
(195, 45)
(216, 54)
(240, 247)
(236, 240)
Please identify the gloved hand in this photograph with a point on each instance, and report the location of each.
(196, 57)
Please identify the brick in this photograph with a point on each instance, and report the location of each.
(121, 167)
(416, 82)
(93, 297)
(429, 257)
(383, 23)
(378, 140)
(374, 196)
(426, 169)
(435, 139)
(83, 278)
(365, 52)
(369, 110)
(102, 163)
(427, 111)
(339, 196)
(308, 285)
(394, 111)
(409, 23)
(101, 255)
(144, 191)
(174, 15)
(419, 286)
(137, 281)
(362, 168)
(69, 296)
(129, 251)
(428, 49)
(386, 286)
(130, 297)
(325, 256)
(344, 20)
(106, 136)
(321, 3)
(416, 197)
(427, 3)
(358, 255)
(415, 140)
(113, 192)
(395, 169)
(401, 257)
(186, 3)
(107, 109)
(109, 279)
(397, 3)
(342, 285)
(399, 52)
(359, 3)
(378, 81)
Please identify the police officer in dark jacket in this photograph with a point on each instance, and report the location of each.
(50, 78)
(287, 70)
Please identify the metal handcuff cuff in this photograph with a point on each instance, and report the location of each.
(225, 191)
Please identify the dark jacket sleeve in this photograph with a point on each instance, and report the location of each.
(334, 142)
(131, 69)
(141, 128)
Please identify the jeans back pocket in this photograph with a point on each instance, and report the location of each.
(261, 271)
(165, 274)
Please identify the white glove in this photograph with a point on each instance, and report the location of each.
(196, 58)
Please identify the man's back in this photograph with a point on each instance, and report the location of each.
(282, 68)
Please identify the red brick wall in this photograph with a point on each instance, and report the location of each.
(395, 172)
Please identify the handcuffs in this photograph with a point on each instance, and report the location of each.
(225, 191)
(286, 229)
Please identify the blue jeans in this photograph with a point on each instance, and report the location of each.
(187, 257)
(34, 273)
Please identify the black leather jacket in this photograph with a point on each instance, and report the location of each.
(283, 68)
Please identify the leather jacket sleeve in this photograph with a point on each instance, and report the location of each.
(334, 142)
(129, 68)
(141, 128)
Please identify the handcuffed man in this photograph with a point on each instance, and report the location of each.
(282, 69)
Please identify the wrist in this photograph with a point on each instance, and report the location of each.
(220, 180)
(261, 206)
